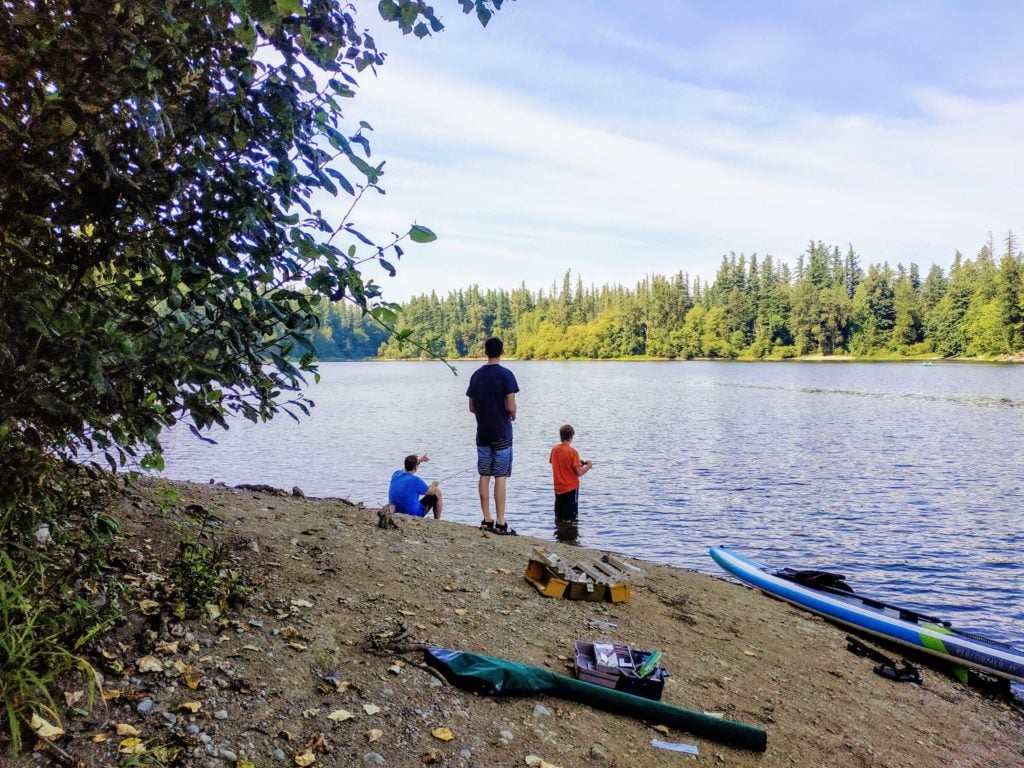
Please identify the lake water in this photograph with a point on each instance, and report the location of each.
(905, 477)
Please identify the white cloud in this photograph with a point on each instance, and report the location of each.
(520, 187)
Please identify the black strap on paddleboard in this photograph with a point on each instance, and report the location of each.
(827, 581)
(887, 667)
(824, 580)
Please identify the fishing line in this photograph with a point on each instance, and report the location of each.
(454, 474)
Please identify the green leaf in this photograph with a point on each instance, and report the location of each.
(289, 7)
(340, 89)
(420, 234)
(372, 174)
(107, 525)
(407, 16)
(353, 231)
(384, 315)
(247, 37)
(345, 183)
(304, 341)
(363, 142)
(337, 139)
(283, 365)
(153, 461)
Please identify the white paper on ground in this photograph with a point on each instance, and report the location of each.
(689, 749)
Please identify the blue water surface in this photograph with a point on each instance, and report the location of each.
(904, 477)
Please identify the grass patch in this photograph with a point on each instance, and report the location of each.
(204, 572)
(33, 651)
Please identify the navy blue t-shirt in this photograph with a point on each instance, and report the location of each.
(488, 387)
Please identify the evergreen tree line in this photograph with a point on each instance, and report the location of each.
(347, 333)
(755, 308)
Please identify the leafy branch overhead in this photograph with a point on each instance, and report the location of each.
(167, 230)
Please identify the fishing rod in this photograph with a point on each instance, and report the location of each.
(426, 457)
(455, 474)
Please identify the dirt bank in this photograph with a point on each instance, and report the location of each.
(271, 677)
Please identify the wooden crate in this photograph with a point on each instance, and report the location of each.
(547, 582)
(590, 580)
(581, 587)
(616, 583)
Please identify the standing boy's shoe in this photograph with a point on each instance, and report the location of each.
(504, 530)
(487, 525)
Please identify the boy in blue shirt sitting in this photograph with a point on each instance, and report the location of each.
(406, 488)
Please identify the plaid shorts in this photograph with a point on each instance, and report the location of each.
(494, 461)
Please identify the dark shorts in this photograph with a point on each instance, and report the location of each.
(494, 461)
(567, 505)
(428, 504)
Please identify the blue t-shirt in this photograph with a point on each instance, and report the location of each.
(488, 387)
(405, 491)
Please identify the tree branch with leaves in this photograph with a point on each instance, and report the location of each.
(162, 255)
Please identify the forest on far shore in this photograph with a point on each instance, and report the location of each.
(827, 304)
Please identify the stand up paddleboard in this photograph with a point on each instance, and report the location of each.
(827, 595)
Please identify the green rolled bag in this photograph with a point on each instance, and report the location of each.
(486, 674)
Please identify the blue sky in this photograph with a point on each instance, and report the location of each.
(617, 139)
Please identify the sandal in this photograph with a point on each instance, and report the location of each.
(504, 530)
(487, 525)
(905, 674)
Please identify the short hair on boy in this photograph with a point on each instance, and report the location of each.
(411, 462)
(494, 347)
(566, 432)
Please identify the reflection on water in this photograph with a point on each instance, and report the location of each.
(978, 401)
(905, 478)
(567, 532)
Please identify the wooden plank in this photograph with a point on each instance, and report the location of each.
(588, 568)
(610, 572)
(626, 567)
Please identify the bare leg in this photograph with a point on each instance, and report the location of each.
(499, 499)
(437, 509)
(484, 486)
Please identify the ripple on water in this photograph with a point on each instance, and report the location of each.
(904, 478)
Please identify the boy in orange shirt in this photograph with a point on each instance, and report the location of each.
(566, 471)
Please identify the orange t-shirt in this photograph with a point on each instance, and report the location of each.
(564, 460)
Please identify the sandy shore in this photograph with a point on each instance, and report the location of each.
(332, 592)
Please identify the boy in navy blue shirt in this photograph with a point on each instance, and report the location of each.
(492, 399)
(406, 489)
